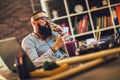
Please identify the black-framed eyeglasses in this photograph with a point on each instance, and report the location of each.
(43, 18)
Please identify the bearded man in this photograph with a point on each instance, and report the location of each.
(43, 43)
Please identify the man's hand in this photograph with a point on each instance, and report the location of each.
(57, 28)
(58, 44)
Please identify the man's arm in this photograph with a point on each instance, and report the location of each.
(29, 47)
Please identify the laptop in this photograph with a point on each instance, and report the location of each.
(9, 50)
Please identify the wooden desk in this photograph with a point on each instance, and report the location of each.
(107, 71)
(8, 75)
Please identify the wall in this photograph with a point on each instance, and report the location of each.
(15, 18)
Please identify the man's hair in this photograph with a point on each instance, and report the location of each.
(36, 12)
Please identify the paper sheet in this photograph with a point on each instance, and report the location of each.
(3, 66)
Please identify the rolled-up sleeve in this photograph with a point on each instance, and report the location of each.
(29, 47)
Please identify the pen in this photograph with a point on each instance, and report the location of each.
(20, 58)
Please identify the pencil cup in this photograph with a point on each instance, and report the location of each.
(70, 48)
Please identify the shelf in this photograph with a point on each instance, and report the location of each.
(115, 5)
(96, 9)
(58, 18)
(104, 29)
(117, 26)
(75, 14)
(100, 17)
(90, 32)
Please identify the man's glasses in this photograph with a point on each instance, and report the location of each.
(43, 18)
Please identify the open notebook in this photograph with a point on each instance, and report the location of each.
(9, 50)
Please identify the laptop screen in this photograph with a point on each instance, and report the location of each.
(9, 50)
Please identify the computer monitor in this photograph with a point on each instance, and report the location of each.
(9, 50)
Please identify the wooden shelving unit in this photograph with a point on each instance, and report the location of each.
(85, 18)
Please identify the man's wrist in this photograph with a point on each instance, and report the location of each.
(54, 48)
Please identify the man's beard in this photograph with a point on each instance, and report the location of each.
(45, 31)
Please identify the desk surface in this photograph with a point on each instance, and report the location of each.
(8, 75)
(106, 71)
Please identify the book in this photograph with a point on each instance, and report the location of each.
(98, 27)
(104, 25)
(98, 23)
(115, 18)
(76, 24)
(110, 21)
(88, 26)
(85, 23)
(101, 22)
(118, 13)
(80, 28)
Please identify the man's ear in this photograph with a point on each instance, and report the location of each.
(34, 23)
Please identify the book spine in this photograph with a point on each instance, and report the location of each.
(114, 16)
(118, 13)
(80, 26)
